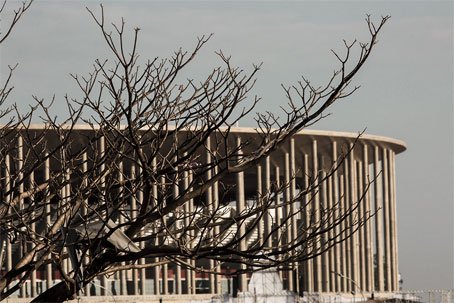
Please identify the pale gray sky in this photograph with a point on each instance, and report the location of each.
(406, 86)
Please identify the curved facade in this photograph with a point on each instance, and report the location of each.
(366, 262)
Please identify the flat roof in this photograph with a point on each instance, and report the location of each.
(396, 145)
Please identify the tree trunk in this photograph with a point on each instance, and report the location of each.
(60, 292)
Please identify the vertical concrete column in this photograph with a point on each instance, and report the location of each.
(192, 234)
(287, 217)
(9, 250)
(334, 201)
(267, 217)
(337, 213)
(165, 266)
(157, 269)
(187, 209)
(49, 280)
(133, 216)
(369, 254)
(395, 265)
(323, 208)
(175, 193)
(240, 206)
(331, 233)
(139, 198)
(278, 210)
(294, 211)
(378, 219)
(259, 202)
(102, 148)
(343, 247)
(386, 214)
(66, 202)
(217, 231)
(389, 220)
(123, 273)
(20, 166)
(84, 209)
(316, 209)
(33, 291)
(157, 279)
(309, 264)
(65, 193)
(354, 221)
(362, 233)
(347, 227)
(209, 198)
(20, 178)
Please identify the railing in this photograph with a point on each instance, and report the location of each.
(426, 296)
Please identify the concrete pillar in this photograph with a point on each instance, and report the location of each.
(84, 210)
(133, 216)
(164, 267)
(259, 202)
(49, 280)
(33, 291)
(395, 265)
(347, 228)
(177, 273)
(209, 199)
(325, 256)
(157, 278)
(267, 217)
(390, 221)
(240, 206)
(67, 200)
(287, 217)
(123, 273)
(165, 279)
(331, 233)
(345, 252)
(157, 269)
(278, 211)
(9, 254)
(138, 198)
(362, 232)
(354, 276)
(20, 166)
(192, 234)
(188, 271)
(386, 214)
(294, 211)
(309, 264)
(212, 278)
(378, 220)
(102, 167)
(369, 254)
(316, 209)
(216, 231)
(337, 214)
(20, 177)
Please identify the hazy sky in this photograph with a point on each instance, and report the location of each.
(406, 86)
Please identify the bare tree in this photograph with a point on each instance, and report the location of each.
(137, 180)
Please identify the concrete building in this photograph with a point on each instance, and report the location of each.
(365, 263)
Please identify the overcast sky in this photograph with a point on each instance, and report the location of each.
(406, 86)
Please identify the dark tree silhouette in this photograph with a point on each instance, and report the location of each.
(136, 180)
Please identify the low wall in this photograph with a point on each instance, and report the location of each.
(129, 299)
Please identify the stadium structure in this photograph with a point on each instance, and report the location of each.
(366, 263)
